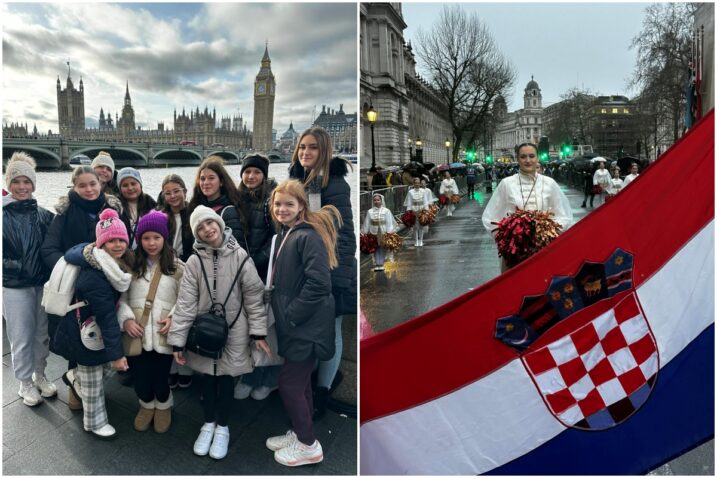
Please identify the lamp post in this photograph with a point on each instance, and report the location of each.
(371, 116)
(410, 149)
(419, 149)
(448, 147)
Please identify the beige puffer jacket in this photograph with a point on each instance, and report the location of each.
(194, 299)
(131, 306)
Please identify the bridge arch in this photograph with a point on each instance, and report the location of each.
(44, 157)
(228, 156)
(120, 154)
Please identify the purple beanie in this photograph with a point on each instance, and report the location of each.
(155, 221)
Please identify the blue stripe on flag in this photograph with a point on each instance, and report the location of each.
(679, 415)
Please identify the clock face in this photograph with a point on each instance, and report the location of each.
(261, 88)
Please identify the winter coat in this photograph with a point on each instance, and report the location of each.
(195, 299)
(131, 306)
(100, 283)
(24, 226)
(74, 224)
(187, 235)
(149, 204)
(338, 193)
(260, 227)
(301, 300)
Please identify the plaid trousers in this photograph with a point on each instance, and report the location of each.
(93, 394)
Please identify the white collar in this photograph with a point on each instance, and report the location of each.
(120, 280)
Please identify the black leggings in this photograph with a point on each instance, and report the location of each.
(218, 393)
(150, 372)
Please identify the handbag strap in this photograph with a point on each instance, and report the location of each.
(236, 277)
(150, 295)
(269, 275)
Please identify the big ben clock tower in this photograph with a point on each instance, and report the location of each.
(264, 93)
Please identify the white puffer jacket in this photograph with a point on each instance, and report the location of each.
(131, 306)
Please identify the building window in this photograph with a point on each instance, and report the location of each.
(603, 110)
(626, 110)
(615, 110)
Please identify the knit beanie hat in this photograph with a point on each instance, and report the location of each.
(109, 227)
(128, 172)
(256, 161)
(155, 221)
(201, 214)
(104, 159)
(20, 164)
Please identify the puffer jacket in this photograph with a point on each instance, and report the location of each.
(131, 306)
(194, 299)
(338, 193)
(74, 224)
(100, 283)
(260, 227)
(24, 226)
(301, 301)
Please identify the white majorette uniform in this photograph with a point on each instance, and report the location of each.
(430, 197)
(525, 192)
(449, 188)
(379, 221)
(628, 179)
(602, 178)
(615, 186)
(416, 202)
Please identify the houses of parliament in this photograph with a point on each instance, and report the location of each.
(200, 127)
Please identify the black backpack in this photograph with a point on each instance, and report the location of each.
(210, 331)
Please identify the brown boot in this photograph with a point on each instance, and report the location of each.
(163, 415)
(73, 402)
(144, 416)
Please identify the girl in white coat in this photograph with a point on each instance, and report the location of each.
(416, 201)
(615, 183)
(379, 221)
(602, 178)
(448, 189)
(150, 369)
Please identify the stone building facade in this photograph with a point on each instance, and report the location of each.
(340, 126)
(521, 126)
(70, 107)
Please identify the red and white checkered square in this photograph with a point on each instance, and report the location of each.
(597, 365)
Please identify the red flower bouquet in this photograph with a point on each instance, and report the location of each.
(408, 218)
(426, 217)
(455, 199)
(524, 233)
(369, 243)
(391, 241)
(443, 199)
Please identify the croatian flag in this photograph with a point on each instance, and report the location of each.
(595, 356)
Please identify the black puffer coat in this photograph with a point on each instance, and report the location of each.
(301, 301)
(92, 286)
(260, 227)
(338, 193)
(75, 223)
(24, 226)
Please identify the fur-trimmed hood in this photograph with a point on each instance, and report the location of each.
(337, 167)
(111, 201)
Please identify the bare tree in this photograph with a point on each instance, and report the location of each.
(663, 54)
(466, 69)
(573, 118)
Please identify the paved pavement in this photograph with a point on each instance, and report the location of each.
(458, 255)
(50, 439)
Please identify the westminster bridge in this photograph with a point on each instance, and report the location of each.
(55, 153)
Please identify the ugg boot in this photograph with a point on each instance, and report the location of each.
(144, 416)
(73, 402)
(163, 415)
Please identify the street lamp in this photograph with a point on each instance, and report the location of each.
(371, 115)
(448, 146)
(419, 149)
(410, 149)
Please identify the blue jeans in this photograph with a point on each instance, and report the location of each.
(328, 368)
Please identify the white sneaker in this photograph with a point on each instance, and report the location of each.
(204, 440)
(242, 391)
(105, 432)
(299, 454)
(260, 393)
(220, 444)
(30, 395)
(47, 389)
(281, 441)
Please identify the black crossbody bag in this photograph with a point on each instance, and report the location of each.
(209, 332)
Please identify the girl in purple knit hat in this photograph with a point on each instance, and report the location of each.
(150, 368)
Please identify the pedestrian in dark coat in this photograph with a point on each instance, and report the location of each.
(104, 275)
(24, 227)
(303, 309)
(323, 179)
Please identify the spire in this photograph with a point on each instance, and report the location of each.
(126, 94)
(68, 68)
(266, 52)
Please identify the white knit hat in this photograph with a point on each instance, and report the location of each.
(20, 164)
(201, 214)
(103, 159)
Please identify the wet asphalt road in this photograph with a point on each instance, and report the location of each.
(458, 255)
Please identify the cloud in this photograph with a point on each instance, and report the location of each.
(188, 55)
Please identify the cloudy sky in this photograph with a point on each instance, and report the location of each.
(177, 55)
(562, 44)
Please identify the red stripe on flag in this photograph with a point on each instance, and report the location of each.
(402, 368)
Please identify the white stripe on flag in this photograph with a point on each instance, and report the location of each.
(502, 416)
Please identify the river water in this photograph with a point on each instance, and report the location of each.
(53, 184)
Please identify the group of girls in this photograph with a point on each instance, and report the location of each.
(123, 245)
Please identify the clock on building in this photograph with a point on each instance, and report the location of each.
(261, 88)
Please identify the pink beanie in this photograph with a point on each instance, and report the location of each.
(109, 227)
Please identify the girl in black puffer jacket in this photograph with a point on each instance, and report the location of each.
(323, 179)
(24, 227)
